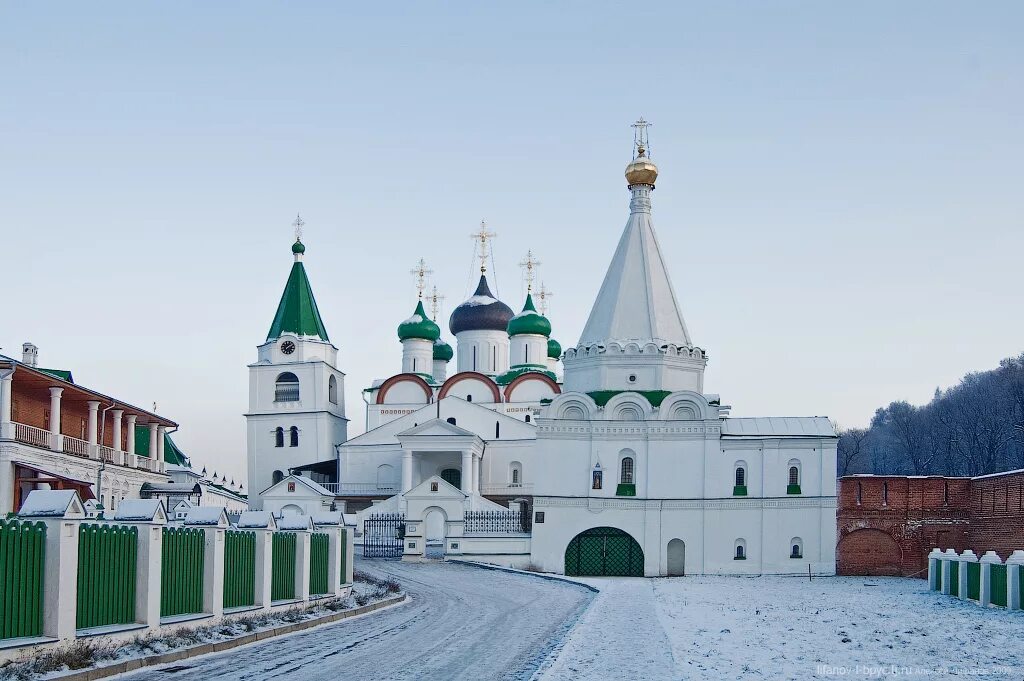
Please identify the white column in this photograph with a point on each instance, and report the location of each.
(467, 471)
(60, 578)
(147, 575)
(56, 443)
(116, 415)
(948, 557)
(161, 431)
(152, 445)
(476, 474)
(335, 554)
(264, 567)
(987, 561)
(213, 571)
(302, 555)
(406, 471)
(965, 558)
(6, 402)
(934, 567)
(130, 439)
(349, 548)
(1013, 580)
(92, 428)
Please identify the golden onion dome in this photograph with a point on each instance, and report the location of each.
(642, 170)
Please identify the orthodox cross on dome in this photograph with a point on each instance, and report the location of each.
(529, 265)
(435, 303)
(297, 224)
(542, 295)
(421, 272)
(484, 237)
(640, 144)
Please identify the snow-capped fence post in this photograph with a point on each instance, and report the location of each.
(968, 566)
(348, 555)
(950, 563)
(331, 524)
(300, 526)
(935, 570)
(213, 521)
(61, 511)
(148, 516)
(1014, 577)
(263, 524)
(985, 578)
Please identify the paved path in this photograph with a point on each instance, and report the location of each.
(462, 622)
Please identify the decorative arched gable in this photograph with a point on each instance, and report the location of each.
(573, 406)
(382, 391)
(684, 405)
(474, 375)
(531, 376)
(628, 406)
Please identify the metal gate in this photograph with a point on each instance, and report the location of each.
(604, 552)
(384, 535)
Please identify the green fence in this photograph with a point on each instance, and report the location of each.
(22, 545)
(974, 581)
(181, 571)
(239, 569)
(954, 578)
(282, 573)
(997, 584)
(319, 580)
(344, 551)
(938, 575)
(107, 563)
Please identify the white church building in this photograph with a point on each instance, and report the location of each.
(607, 459)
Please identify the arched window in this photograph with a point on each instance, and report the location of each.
(741, 477)
(515, 477)
(741, 550)
(277, 477)
(515, 474)
(279, 437)
(451, 420)
(332, 390)
(794, 475)
(796, 548)
(293, 436)
(793, 486)
(527, 418)
(626, 471)
(385, 477)
(286, 388)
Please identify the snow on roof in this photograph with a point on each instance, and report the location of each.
(145, 510)
(350, 519)
(327, 518)
(256, 520)
(996, 475)
(51, 503)
(295, 522)
(789, 426)
(210, 516)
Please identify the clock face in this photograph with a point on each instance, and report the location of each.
(288, 347)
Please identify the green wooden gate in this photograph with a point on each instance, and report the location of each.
(107, 563)
(604, 551)
(974, 581)
(282, 573)
(319, 580)
(22, 547)
(181, 571)
(997, 584)
(239, 568)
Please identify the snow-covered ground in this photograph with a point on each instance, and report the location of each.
(786, 628)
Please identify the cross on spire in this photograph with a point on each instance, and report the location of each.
(640, 137)
(435, 303)
(421, 272)
(297, 224)
(529, 265)
(484, 237)
(542, 295)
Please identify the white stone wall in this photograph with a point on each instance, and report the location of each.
(491, 351)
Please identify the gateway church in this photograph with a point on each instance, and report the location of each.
(606, 459)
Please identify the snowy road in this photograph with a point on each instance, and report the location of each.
(462, 623)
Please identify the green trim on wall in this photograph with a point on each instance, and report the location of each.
(654, 397)
(739, 490)
(792, 489)
(625, 490)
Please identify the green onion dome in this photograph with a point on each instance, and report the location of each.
(529, 321)
(442, 351)
(298, 247)
(554, 349)
(419, 326)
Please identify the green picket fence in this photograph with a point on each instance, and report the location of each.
(282, 573)
(181, 571)
(319, 580)
(974, 581)
(938, 575)
(107, 563)
(344, 544)
(954, 578)
(22, 546)
(239, 569)
(997, 582)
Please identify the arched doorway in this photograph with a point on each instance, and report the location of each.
(452, 476)
(604, 552)
(869, 551)
(676, 558)
(434, 520)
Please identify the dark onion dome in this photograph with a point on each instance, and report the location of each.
(419, 325)
(298, 247)
(554, 349)
(442, 351)
(482, 312)
(529, 321)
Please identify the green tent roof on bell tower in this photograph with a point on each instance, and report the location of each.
(297, 312)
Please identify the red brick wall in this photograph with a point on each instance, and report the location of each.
(32, 408)
(889, 524)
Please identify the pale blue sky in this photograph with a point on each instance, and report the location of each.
(839, 201)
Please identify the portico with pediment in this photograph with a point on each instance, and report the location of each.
(438, 447)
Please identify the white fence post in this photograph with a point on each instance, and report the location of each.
(335, 551)
(985, 592)
(350, 554)
(1013, 580)
(947, 560)
(302, 538)
(150, 517)
(965, 558)
(934, 568)
(263, 524)
(213, 571)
